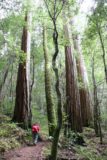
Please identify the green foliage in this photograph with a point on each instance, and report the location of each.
(47, 151)
(92, 149)
(89, 154)
(11, 136)
(76, 138)
(7, 144)
(22, 57)
(4, 119)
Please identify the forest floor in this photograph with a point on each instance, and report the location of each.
(26, 153)
(16, 144)
(37, 152)
(92, 150)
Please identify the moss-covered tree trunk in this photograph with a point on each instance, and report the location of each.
(57, 8)
(59, 103)
(48, 93)
(22, 111)
(85, 98)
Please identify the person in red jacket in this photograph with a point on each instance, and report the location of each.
(35, 132)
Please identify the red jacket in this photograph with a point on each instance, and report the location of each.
(35, 128)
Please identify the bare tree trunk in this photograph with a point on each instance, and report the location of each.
(22, 111)
(85, 98)
(49, 101)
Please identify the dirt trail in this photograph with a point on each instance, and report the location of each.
(27, 153)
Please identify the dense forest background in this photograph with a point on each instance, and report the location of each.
(53, 71)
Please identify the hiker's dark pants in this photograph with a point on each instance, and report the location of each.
(35, 137)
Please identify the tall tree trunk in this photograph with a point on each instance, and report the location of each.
(73, 107)
(97, 123)
(4, 79)
(72, 93)
(59, 103)
(11, 86)
(103, 49)
(2, 84)
(22, 110)
(54, 16)
(50, 106)
(30, 93)
(85, 98)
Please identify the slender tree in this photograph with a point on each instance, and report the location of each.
(57, 8)
(98, 21)
(4, 79)
(97, 121)
(102, 47)
(49, 101)
(5, 75)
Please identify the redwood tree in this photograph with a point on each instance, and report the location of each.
(85, 98)
(73, 107)
(22, 111)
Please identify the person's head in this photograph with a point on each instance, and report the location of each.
(35, 124)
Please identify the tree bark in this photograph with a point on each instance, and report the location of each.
(85, 98)
(73, 107)
(72, 93)
(22, 110)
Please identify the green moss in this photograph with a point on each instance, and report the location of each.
(10, 129)
(4, 119)
(46, 151)
(8, 143)
(11, 136)
(93, 150)
(89, 154)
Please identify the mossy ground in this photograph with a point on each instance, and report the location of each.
(91, 150)
(11, 136)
